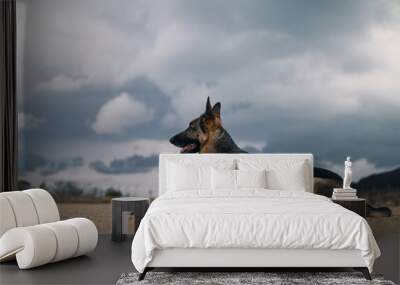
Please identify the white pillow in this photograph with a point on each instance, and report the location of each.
(281, 174)
(192, 177)
(193, 172)
(227, 179)
(292, 179)
(223, 179)
(251, 178)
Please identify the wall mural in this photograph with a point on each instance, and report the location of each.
(103, 85)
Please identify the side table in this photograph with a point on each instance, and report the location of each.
(123, 206)
(357, 205)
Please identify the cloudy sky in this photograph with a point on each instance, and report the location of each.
(104, 84)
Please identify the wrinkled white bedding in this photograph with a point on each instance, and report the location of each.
(250, 219)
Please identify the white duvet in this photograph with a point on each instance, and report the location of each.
(250, 219)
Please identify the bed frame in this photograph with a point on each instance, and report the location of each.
(242, 259)
(260, 259)
(246, 259)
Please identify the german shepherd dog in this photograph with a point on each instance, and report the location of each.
(205, 134)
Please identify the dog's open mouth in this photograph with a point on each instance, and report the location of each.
(189, 148)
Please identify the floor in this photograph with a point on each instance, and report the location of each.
(110, 260)
(389, 262)
(103, 266)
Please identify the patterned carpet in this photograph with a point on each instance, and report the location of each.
(229, 278)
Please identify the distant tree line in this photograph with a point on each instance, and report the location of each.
(69, 191)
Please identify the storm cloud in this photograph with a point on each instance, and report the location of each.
(132, 164)
(34, 162)
(295, 76)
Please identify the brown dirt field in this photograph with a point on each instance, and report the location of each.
(395, 211)
(386, 225)
(99, 213)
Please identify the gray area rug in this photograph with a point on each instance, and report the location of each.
(228, 278)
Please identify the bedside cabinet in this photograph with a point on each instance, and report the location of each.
(121, 208)
(358, 205)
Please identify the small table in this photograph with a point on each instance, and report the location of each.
(357, 205)
(122, 207)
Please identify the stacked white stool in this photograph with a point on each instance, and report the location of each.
(31, 230)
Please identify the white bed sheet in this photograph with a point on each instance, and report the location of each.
(250, 218)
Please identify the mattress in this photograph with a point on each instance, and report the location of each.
(251, 219)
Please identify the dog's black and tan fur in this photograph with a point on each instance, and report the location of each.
(205, 134)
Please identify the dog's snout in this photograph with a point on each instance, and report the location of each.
(172, 140)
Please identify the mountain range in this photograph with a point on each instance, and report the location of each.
(388, 180)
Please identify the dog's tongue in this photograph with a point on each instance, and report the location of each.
(187, 148)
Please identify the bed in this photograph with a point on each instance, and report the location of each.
(247, 210)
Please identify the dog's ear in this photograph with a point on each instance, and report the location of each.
(217, 110)
(209, 110)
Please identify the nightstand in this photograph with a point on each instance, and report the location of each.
(358, 205)
(121, 208)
